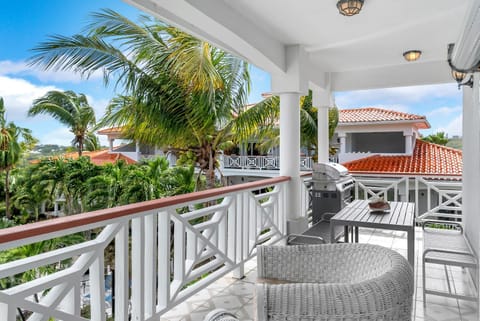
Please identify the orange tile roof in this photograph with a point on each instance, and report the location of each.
(373, 114)
(113, 130)
(426, 159)
(106, 157)
(97, 157)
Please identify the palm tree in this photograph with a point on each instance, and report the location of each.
(179, 91)
(267, 113)
(439, 138)
(14, 141)
(71, 110)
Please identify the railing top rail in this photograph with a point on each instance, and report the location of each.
(68, 222)
(425, 176)
(306, 174)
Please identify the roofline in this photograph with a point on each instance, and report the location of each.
(384, 122)
(402, 174)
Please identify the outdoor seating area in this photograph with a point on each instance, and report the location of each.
(343, 281)
(225, 206)
(237, 296)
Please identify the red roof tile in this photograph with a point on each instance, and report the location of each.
(372, 114)
(426, 159)
(97, 157)
(112, 130)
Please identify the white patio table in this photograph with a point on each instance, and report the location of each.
(400, 217)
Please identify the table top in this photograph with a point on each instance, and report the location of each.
(401, 216)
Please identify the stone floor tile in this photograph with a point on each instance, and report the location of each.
(240, 289)
(238, 295)
(436, 312)
(468, 310)
(400, 243)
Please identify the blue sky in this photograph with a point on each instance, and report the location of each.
(26, 23)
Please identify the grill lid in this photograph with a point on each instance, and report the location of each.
(329, 171)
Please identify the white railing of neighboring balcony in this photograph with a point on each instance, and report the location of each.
(165, 251)
(434, 196)
(260, 162)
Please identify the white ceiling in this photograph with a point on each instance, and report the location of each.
(359, 52)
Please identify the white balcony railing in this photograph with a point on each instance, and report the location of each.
(261, 162)
(164, 252)
(433, 196)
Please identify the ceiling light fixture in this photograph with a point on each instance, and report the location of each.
(349, 7)
(412, 55)
(458, 74)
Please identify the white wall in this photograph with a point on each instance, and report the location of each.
(471, 168)
(471, 165)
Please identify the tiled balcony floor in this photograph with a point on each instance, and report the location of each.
(238, 295)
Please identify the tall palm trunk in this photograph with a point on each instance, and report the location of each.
(80, 145)
(7, 194)
(210, 175)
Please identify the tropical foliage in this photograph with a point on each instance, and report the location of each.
(439, 138)
(73, 111)
(267, 114)
(179, 91)
(14, 141)
(80, 186)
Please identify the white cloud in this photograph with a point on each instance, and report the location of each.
(18, 95)
(21, 68)
(454, 127)
(399, 95)
(63, 136)
(99, 105)
(59, 136)
(445, 111)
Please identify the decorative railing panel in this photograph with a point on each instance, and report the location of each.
(260, 162)
(306, 196)
(434, 197)
(164, 251)
(443, 198)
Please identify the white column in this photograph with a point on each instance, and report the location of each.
(408, 144)
(111, 140)
(323, 141)
(137, 150)
(290, 156)
(322, 100)
(471, 166)
(343, 143)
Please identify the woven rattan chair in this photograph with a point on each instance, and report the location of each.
(333, 282)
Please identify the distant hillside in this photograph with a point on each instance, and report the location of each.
(455, 142)
(40, 151)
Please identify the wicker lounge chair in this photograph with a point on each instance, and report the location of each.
(333, 282)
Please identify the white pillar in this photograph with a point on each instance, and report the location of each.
(408, 144)
(322, 100)
(323, 141)
(471, 165)
(343, 143)
(111, 140)
(137, 150)
(290, 157)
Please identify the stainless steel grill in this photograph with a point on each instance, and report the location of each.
(332, 189)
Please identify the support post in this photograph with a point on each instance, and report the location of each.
(322, 99)
(290, 158)
(471, 166)
(137, 150)
(408, 144)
